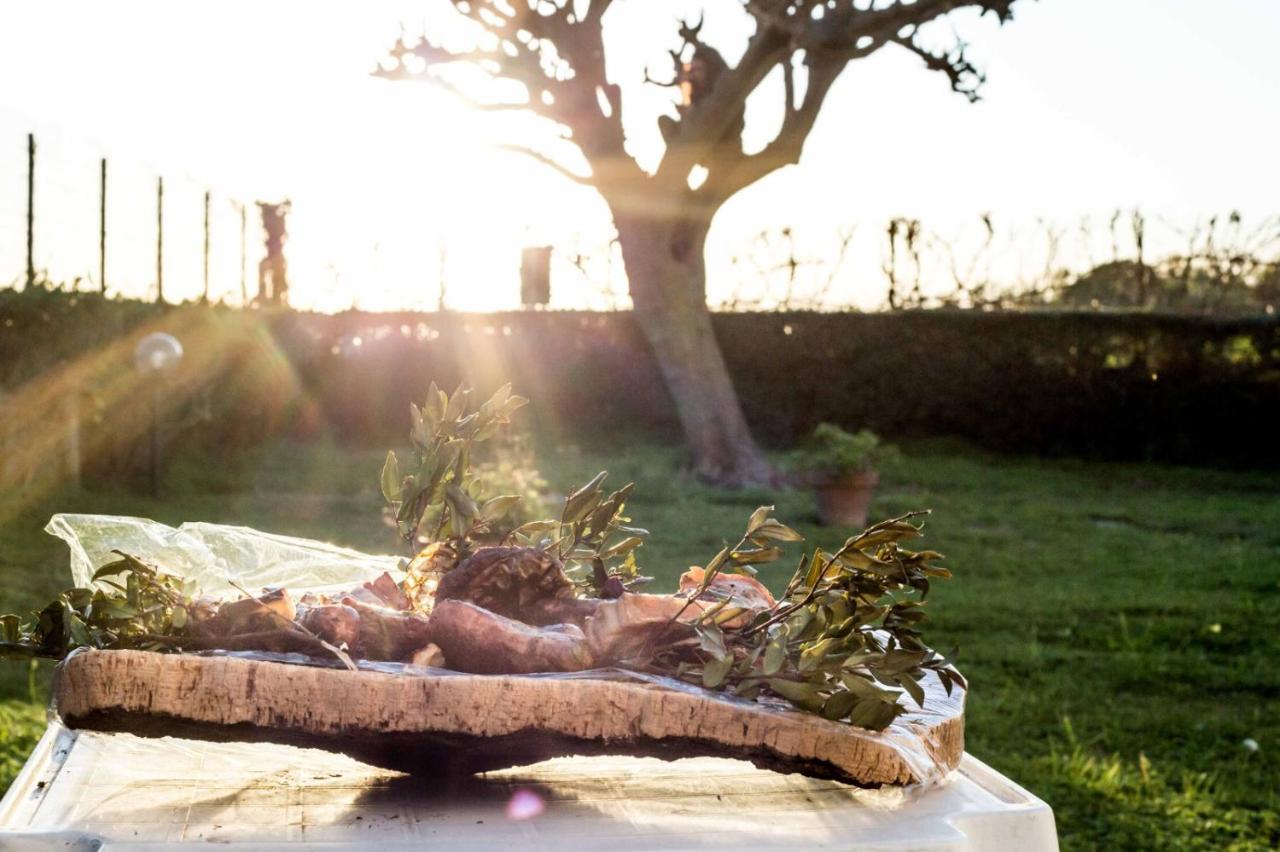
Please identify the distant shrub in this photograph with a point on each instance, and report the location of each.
(1113, 384)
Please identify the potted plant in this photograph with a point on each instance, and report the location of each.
(843, 469)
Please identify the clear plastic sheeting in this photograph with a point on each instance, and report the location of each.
(216, 556)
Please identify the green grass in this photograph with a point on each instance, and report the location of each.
(1119, 624)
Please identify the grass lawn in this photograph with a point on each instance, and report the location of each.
(1119, 624)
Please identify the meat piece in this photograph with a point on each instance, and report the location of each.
(202, 610)
(386, 634)
(381, 592)
(365, 596)
(506, 580)
(271, 610)
(388, 592)
(476, 640)
(429, 657)
(334, 623)
(625, 628)
(279, 640)
(745, 591)
(560, 611)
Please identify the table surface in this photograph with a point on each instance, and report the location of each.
(116, 791)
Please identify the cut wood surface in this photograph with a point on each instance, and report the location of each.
(431, 721)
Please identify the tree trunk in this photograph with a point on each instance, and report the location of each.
(664, 260)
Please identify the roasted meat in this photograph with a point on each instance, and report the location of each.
(508, 581)
(477, 640)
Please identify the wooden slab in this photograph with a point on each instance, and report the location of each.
(428, 721)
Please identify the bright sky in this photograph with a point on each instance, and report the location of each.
(1090, 105)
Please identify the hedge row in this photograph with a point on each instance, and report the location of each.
(1097, 384)
(1113, 385)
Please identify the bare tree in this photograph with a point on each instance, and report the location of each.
(556, 49)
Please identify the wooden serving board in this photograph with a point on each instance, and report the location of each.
(429, 721)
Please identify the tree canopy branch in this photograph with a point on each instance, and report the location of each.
(966, 79)
(550, 162)
(559, 57)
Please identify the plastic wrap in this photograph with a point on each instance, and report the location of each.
(214, 556)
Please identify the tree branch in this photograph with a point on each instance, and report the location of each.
(559, 57)
(550, 162)
(730, 177)
(965, 78)
(703, 126)
(847, 25)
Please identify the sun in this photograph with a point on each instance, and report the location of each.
(423, 195)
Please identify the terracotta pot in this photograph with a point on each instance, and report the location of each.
(843, 500)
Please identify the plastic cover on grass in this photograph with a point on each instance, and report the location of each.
(215, 556)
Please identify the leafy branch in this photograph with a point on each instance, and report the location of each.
(583, 539)
(844, 641)
(136, 606)
(439, 498)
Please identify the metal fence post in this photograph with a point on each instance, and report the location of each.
(102, 228)
(206, 246)
(160, 239)
(244, 259)
(31, 208)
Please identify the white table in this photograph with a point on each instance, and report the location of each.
(85, 790)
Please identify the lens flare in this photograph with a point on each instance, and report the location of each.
(525, 804)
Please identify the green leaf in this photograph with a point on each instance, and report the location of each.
(813, 656)
(112, 569)
(625, 546)
(498, 400)
(462, 509)
(913, 688)
(776, 531)
(805, 695)
(715, 672)
(711, 640)
(514, 404)
(817, 563)
(536, 526)
(580, 503)
(775, 655)
(757, 519)
(391, 481)
(76, 629)
(839, 705)
(756, 556)
(496, 508)
(865, 688)
(457, 405)
(873, 714)
(714, 565)
(435, 406)
(418, 432)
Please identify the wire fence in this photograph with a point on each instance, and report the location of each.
(73, 217)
